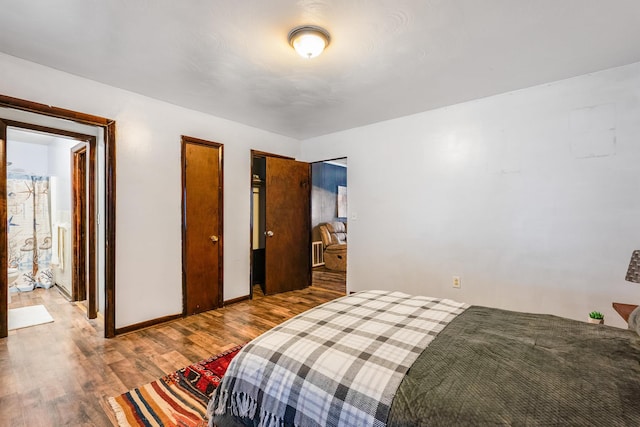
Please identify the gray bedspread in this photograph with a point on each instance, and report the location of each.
(496, 367)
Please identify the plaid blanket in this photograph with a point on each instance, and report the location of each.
(338, 364)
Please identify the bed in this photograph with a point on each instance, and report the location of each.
(386, 358)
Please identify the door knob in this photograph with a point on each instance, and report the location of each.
(269, 233)
(213, 238)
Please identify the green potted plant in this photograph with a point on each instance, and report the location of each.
(596, 317)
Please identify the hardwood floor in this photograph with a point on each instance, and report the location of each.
(329, 279)
(61, 373)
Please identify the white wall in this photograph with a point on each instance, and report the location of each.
(531, 197)
(148, 237)
(27, 158)
(59, 165)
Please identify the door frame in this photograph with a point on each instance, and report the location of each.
(184, 140)
(329, 161)
(108, 127)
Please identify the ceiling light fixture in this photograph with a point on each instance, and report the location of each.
(308, 40)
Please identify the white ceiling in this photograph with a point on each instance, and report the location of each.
(387, 58)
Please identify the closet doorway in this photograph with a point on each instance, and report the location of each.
(280, 223)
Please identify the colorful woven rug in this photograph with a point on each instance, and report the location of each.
(178, 399)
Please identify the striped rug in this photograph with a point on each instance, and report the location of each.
(178, 399)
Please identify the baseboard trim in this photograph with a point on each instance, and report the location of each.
(63, 291)
(235, 300)
(147, 323)
(165, 319)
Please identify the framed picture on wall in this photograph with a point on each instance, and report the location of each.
(342, 201)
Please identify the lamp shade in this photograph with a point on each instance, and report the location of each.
(633, 273)
(308, 40)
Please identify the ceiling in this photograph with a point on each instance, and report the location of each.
(386, 59)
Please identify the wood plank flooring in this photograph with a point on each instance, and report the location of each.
(61, 373)
(329, 279)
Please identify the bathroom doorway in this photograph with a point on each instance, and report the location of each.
(47, 218)
(39, 116)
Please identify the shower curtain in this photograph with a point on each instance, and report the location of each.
(29, 222)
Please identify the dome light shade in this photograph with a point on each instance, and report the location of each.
(308, 40)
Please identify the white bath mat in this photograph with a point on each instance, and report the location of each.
(28, 316)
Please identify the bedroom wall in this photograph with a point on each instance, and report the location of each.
(148, 236)
(530, 196)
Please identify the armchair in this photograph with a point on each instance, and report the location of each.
(334, 242)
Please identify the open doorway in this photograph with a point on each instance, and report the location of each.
(50, 195)
(329, 224)
(102, 246)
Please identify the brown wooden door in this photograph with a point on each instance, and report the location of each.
(4, 286)
(287, 219)
(79, 215)
(84, 281)
(201, 225)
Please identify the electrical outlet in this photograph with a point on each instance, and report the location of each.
(456, 281)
